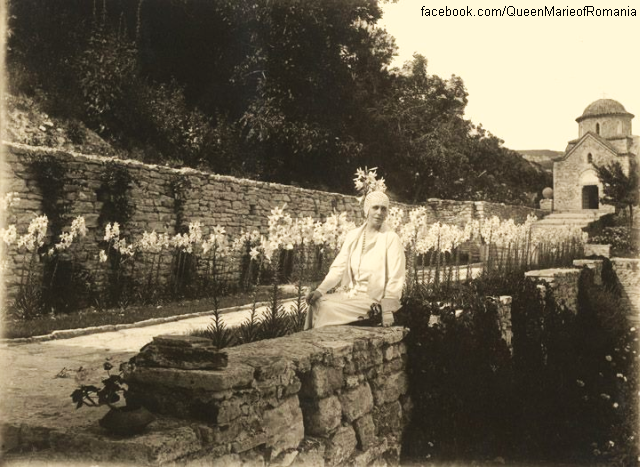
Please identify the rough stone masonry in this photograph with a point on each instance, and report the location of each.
(324, 397)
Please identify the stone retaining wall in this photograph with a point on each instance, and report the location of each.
(330, 396)
(563, 282)
(628, 272)
(595, 249)
(236, 204)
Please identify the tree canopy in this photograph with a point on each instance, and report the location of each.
(620, 188)
(299, 92)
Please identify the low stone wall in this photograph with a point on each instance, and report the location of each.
(595, 249)
(503, 303)
(563, 282)
(628, 272)
(593, 265)
(331, 396)
(506, 211)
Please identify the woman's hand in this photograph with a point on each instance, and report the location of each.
(312, 297)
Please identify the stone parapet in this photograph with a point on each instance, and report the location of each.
(563, 282)
(628, 272)
(593, 265)
(595, 249)
(546, 205)
(329, 396)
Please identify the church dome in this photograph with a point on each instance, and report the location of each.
(603, 107)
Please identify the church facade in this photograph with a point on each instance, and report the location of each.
(604, 136)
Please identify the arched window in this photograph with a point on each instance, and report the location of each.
(619, 127)
(597, 128)
(590, 158)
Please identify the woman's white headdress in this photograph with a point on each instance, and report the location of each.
(370, 188)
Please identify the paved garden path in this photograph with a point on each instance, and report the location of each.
(38, 378)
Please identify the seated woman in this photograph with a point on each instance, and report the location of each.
(370, 269)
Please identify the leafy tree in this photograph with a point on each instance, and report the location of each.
(620, 188)
(298, 92)
(421, 121)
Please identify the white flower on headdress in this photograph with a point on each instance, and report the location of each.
(366, 181)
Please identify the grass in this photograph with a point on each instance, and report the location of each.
(13, 329)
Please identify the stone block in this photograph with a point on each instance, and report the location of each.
(230, 409)
(365, 432)
(356, 402)
(266, 367)
(322, 416)
(390, 352)
(371, 454)
(321, 381)
(10, 437)
(563, 282)
(234, 376)
(364, 360)
(284, 426)
(389, 388)
(594, 249)
(285, 459)
(593, 265)
(353, 381)
(310, 453)
(182, 352)
(229, 460)
(341, 446)
(248, 443)
(387, 418)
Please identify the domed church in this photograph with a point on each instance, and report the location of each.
(604, 136)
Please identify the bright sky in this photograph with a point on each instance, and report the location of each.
(528, 78)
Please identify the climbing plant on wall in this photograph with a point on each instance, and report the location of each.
(50, 176)
(117, 207)
(65, 285)
(116, 183)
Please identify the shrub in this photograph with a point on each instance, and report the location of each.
(623, 240)
(459, 371)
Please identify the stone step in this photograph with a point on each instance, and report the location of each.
(556, 226)
(563, 221)
(572, 215)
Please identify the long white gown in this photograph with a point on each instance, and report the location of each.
(344, 307)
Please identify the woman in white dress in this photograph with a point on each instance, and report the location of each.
(370, 268)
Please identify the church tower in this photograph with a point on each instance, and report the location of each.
(604, 136)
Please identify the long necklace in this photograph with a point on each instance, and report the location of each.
(364, 244)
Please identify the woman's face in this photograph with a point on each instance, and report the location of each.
(377, 215)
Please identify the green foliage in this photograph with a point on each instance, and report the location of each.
(459, 371)
(113, 389)
(621, 239)
(249, 330)
(64, 286)
(51, 176)
(218, 332)
(67, 287)
(606, 369)
(298, 311)
(420, 125)
(28, 303)
(117, 206)
(292, 92)
(620, 189)
(116, 183)
(568, 393)
(106, 68)
(180, 187)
